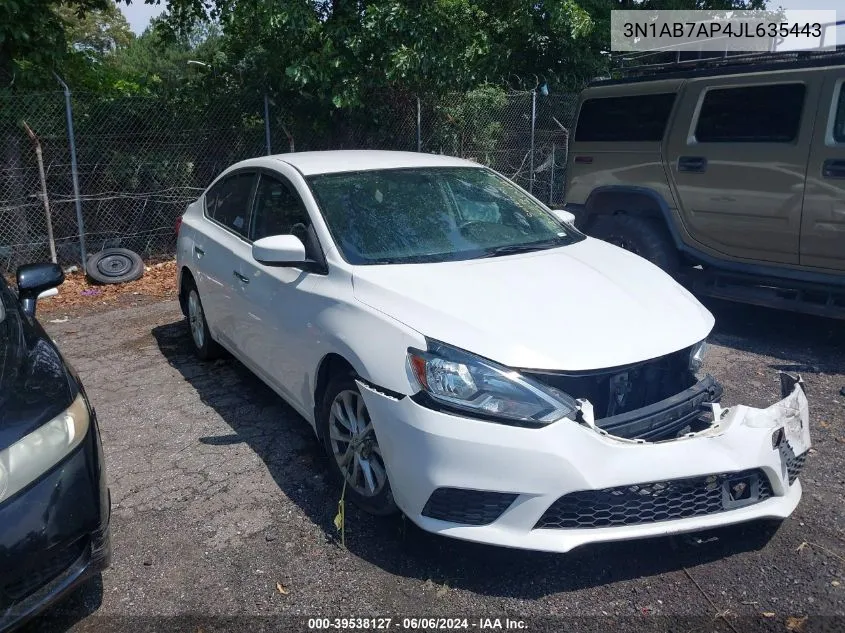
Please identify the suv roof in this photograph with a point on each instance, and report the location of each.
(726, 65)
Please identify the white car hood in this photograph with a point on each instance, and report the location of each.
(586, 306)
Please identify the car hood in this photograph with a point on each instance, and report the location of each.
(589, 305)
(35, 383)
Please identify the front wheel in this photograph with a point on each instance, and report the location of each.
(354, 453)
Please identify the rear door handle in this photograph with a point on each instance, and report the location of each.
(695, 164)
(833, 168)
(240, 277)
(198, 251)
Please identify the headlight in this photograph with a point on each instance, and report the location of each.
(33, 455)
(478, 386)
(696, 356)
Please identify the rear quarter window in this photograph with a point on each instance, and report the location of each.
(631, 119)
(751, 114)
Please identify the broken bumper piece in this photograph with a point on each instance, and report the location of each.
(569, 484)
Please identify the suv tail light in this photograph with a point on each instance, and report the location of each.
(178, 225)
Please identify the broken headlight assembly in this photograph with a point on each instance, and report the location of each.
(453, 379)
(697, 355)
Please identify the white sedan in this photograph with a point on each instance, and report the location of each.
(467, 356)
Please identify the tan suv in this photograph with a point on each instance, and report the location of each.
(730, 178)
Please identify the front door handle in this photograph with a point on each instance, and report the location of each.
(240, 277)
(833, 168)
(695, 164)
(198, 251)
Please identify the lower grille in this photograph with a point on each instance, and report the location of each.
(794, 463)
(469, 507)
(35, 575)
(657, 501)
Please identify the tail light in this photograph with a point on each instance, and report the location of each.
(178, 225)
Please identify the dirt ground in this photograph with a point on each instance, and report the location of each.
(223, 512)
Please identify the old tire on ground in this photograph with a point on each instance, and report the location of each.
(114, 266)
(643, 236)
(205, 347)
(351, 444)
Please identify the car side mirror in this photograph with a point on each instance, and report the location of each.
(567, 217)
(35, 279)
(279, 250)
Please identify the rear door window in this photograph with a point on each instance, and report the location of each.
(631, 119)
(228, 202)
(751, 114)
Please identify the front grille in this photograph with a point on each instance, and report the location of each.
(657, 501)
(469, 507)
(617, 390)
(32, 576)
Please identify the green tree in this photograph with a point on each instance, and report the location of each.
(33, 36)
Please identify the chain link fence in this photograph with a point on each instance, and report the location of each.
(142, 160)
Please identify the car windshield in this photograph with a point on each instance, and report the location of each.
(398, 216)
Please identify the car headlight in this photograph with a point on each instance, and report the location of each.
(30, 457)
(463, 381)
(696, 356)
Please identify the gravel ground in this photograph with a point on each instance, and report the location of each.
(222, 510)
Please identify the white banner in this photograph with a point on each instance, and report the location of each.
(731, 31)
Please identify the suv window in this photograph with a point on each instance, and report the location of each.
(227, 202)
(751, 114)
(839, 117)
(278, 210)
(637, 118)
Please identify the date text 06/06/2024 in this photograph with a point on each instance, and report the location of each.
(412, 624)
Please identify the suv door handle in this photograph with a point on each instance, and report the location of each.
(198, 251)
(240, 277)
(833, 168)
(697, 164)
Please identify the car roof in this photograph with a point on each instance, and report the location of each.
(337, 161)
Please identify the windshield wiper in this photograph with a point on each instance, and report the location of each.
(513, 249)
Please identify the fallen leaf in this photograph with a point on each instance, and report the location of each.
(835, 583)
(824, 425)
(281, 588)
(796, 625)
(768, 614)
(802, 546)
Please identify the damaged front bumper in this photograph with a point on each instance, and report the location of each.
(569, 484)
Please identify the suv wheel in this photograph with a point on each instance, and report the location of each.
(642, 236)
(352, 446)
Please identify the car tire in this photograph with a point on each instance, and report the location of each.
(368, 490)
(205, 347)
(643, 236)
(114, 266)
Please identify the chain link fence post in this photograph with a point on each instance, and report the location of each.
(267, 122)
(533, 125)
(419, 125)
(74, 169)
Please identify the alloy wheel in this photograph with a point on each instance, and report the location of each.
(195, 319)
(354, 444)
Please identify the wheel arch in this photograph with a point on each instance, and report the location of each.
(631, 200)
(183, 281)
(331, 365)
